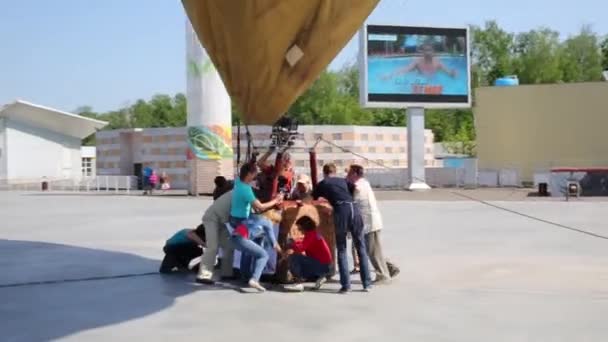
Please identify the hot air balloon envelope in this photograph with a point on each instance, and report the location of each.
(270, 51)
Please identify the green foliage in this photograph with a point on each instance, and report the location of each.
(493, 50)
(604, 47)
(536, 56)
(580, 58)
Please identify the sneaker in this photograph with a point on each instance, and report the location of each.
(355, 270)
(254, 284)
(344, 290)
(367, 289)
(294, 288)
(319, 283)
(393, 270)
(382, 280)
(205, 281)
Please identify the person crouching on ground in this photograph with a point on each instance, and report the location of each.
(347, 218)
(372, 222)
(217, 235)
(182, 248)
(246, 238)
(310, 258)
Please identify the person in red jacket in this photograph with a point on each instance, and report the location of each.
(310, 258)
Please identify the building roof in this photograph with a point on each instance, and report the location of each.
(52, 119)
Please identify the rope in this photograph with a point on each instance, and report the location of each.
(351, 152)
(63, 281)
(249, 144)
(559, 225)
(238, 144)
(555, 224)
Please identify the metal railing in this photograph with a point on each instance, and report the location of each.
(117, 184)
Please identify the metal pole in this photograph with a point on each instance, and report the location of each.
(312, 156)
(278, 166)
(416, 150)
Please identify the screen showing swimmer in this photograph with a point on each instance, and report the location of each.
(417, 65)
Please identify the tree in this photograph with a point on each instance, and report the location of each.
(605, 53)
(330, 100)
(492, 50)
(537, 59)
(88, 112)
(580, 57)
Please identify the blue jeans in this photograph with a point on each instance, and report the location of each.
(250, 248)
(347, 218)
(306, 268)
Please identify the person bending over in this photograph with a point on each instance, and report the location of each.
(217, 235)
(182, 248)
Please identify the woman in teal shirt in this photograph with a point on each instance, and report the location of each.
(251, 230)
(243, 198)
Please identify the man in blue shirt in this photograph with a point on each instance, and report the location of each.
(347, 218)
(181, 248)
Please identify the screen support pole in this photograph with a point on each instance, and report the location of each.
(415, 149)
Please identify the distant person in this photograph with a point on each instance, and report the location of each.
(182, 248)
(372, 221)
(153, 181)
(427, 65)
(347, 218)
(165, 182)
(146, 174)
(310, 258)
(217, 235)
(222, 186)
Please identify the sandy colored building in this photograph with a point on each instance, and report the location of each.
(126, 152)
(533, 128)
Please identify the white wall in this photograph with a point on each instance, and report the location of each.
(34, 152)
(2, 149)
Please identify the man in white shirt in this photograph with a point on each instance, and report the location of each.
(372, 220)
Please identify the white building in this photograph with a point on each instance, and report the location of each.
(40, 142)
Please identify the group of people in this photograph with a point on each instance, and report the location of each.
(151, 181)
(239, 220)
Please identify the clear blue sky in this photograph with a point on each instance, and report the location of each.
(107, 53)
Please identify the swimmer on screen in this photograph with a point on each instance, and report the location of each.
(428, 64)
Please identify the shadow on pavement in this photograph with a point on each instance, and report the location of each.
(49, 291)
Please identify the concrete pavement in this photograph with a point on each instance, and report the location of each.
(470, 272)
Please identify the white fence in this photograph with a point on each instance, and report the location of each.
(443, 177)
(88, 184)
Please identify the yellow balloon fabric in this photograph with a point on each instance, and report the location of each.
(249, 42)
